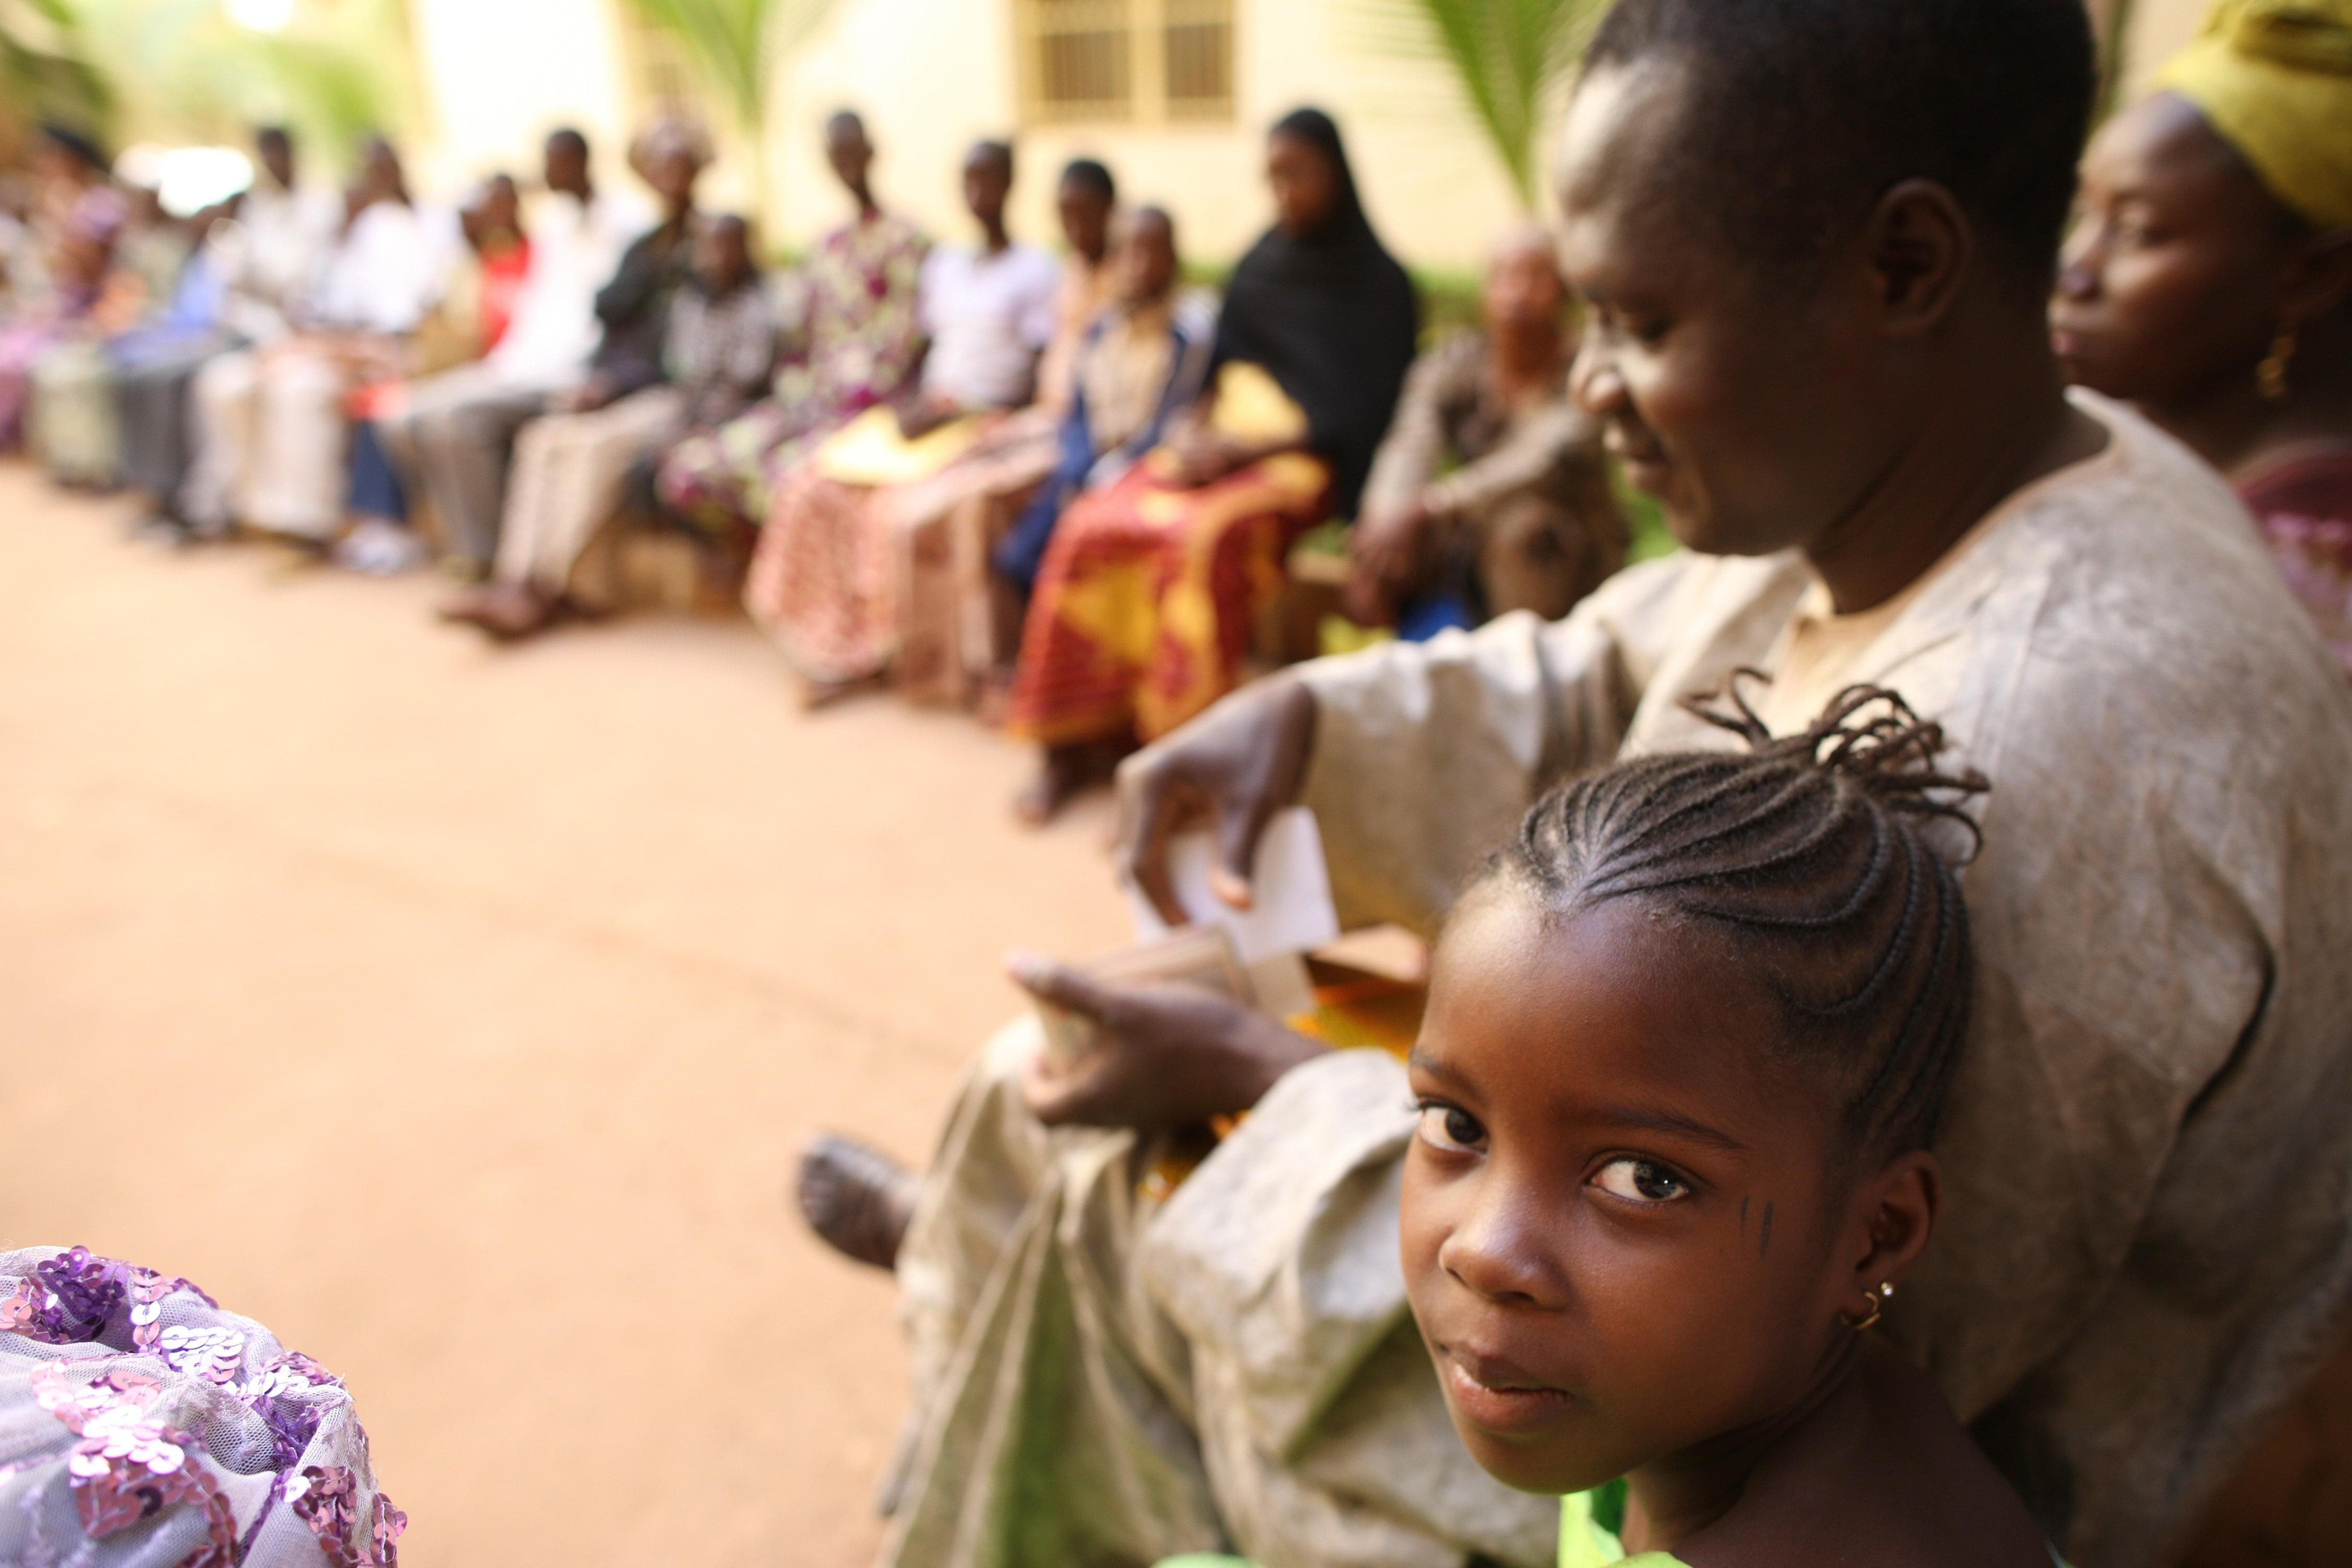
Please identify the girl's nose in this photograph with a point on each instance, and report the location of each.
(1594, 382)
(1503, 1251)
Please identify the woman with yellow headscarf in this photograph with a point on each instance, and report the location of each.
(2208, 277)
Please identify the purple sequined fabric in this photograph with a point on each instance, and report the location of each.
(127, 1463)
(73, 1297)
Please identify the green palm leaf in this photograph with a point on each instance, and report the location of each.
(735, 43)
(1507, 57)
(44, 66)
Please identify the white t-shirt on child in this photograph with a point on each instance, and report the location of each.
(989, 317)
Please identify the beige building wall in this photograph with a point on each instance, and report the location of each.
(500, 74)
(931, 75)
(2159, 28)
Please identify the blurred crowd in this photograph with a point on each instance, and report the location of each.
(1059, 485)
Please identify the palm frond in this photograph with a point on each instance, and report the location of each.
(45, 69)
(1506, 59)
(734, 43)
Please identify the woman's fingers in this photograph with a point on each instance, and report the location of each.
(1147, 821)
(1064, 986)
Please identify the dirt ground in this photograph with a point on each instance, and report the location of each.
(457, 1011)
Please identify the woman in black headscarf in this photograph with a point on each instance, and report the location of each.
(1143, 609)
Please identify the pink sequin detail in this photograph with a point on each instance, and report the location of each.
(325, 1496)
(80, 1404)
(126, 1471)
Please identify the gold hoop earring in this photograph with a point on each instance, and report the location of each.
(1878, 1299)
(2269, 376)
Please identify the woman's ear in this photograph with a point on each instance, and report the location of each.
(2318, 277)
(1919, 249)
(1895, 1211)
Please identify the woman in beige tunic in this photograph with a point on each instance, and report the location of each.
(1839, 380)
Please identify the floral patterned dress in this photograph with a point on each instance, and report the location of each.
(858, 347)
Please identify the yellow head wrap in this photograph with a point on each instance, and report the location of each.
(2274, 78)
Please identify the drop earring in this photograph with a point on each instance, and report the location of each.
(2269, 376)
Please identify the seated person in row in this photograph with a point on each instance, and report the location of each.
(955, 619)
(571, 466)
(1147, 596)
(451, 435)
(1816, 241)
(826, 582)
(264, 249)
(78, 220)
(820, 582)
(2209, 278)
(271, 431)
(474, 319)
(1490, 493)
(73, 430)
(1139, 370)
(852, 341)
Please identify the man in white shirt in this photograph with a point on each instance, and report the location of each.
(269, 420)
(989, 310)
(265, 253)
(283, 228)
(456, 432)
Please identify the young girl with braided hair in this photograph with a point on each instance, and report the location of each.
(1688, 1037)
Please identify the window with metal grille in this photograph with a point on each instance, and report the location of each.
(1133, 61)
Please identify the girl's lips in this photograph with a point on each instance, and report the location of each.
(1645, 462)
(1497, 1397)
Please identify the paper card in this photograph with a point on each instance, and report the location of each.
(1292, 911)
(1196, 955)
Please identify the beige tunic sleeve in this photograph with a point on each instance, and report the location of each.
(1426, 754)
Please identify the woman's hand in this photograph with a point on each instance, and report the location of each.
(1173, 1055)
(919, 417)
(1203, 455)
(1388, 552)
(1235, 765)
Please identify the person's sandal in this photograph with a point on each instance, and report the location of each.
(857, 1199)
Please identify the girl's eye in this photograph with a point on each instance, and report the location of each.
(1450, 1128)
(1641, 1181)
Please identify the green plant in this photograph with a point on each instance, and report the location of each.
(734, 44)
(1509, 60)
(185, 72)
(44, 69)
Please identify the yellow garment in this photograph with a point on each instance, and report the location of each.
(1252, 405)
(2274, 78)
(868, 451)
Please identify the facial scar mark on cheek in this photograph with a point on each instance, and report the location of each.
(1766, 1245)
(1743, 1216)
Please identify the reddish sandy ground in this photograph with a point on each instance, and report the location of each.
(457, 1012)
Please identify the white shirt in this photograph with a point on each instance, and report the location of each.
(989, 317)
(386, 274)
(575, 248)
(273, 249)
